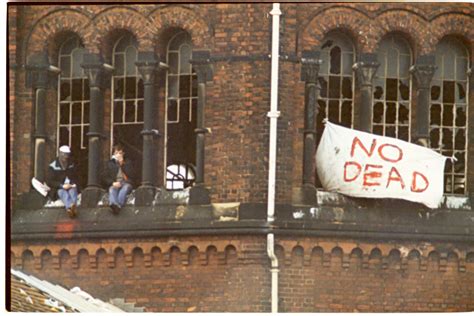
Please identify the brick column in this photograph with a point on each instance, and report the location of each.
(39, 75)
(366, 68)
(423, 71)
(147, 63)
(94, 69)
(309, 74)
(199, 194)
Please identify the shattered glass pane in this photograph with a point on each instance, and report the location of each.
(378, 112)
(460, 139)
(403, 133)
(346, 114)
(378, 129)
(346, 88)
(460, 92)
(378, 93)
(404, 90)
(334, 87)
(403, 113)
(64, 113)
(435, 114)
(448, 182)
(461, 115)
(448, 115)
(333, 111)
(435, 93)
(392, 89)
(390, 131)
(335, 60)
(448, 91)
(447, 139)
(459, 184)
(391, 113)
(324, 87)
(434, 138)
(459, 165)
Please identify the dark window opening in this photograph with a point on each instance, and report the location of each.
(181, 114)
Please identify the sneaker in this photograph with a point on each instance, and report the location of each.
(70, 213)
(74, 210)
(115, 209)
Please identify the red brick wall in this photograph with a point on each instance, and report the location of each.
(231, 273)
(238, 97)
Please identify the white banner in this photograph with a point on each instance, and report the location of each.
(365, 165)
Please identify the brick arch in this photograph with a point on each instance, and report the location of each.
(120, 17)
(414, 27)
(443, 26)
(180, 17)
(45, 30)
(353, 22)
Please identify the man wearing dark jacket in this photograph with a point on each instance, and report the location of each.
(118, 176)
(62, 179)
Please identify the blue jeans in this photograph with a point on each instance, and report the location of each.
(118, 196)
(69, 197)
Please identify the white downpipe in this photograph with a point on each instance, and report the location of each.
(273, 115)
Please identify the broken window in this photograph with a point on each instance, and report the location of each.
(181, 111)
(392, 103)
(336, 79)
(128, 99)
(73, 106)
(448, 112)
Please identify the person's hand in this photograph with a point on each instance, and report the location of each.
(67, 186)
(119, 157)
(117, 184)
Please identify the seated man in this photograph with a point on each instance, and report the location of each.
(62, 179)
(118, 176)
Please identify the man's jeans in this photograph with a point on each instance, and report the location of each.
(69, 197)
(118, 196)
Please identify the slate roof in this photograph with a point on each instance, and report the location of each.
(29, 294)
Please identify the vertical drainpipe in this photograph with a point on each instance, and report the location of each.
(273, 115)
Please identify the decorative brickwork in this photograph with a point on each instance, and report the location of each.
(315, 274)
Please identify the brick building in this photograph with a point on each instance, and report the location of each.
(186, 89)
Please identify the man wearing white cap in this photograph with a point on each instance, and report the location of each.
(62, 179)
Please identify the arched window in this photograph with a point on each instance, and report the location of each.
(127, 110)
(391, 113)
(337, 81)
(73, 103)
(181, 101)
(448, 114)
